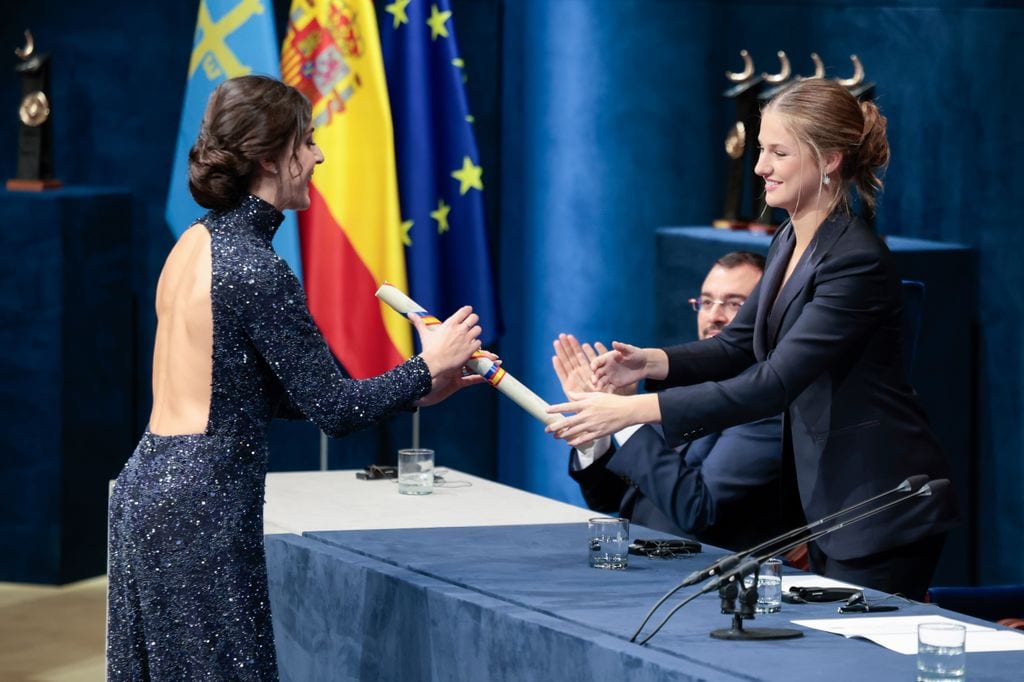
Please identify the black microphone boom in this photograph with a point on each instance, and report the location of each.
(734, 566)
(725, 564)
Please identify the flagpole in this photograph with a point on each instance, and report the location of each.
(323, 451)
(416, 428)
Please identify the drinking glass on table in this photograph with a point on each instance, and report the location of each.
(608, 542)
(415, 471)
(941, 652)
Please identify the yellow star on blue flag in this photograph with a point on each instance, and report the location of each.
(469, 176)
(436, 22)
(441, 216)
(447, 253)
(397, 10)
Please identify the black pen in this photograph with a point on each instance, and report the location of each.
(861, 607)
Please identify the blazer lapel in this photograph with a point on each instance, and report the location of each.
(822, 243)
(770, 281)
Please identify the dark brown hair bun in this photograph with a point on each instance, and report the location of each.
(247, 119)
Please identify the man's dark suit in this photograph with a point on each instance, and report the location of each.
(826, 353)
(722, 488)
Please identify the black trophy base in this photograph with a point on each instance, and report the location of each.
(19, 185)
(736, 632)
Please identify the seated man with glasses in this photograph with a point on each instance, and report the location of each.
(723, 488)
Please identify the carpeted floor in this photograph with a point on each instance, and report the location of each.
(53, 634)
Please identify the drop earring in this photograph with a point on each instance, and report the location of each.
(825, 179)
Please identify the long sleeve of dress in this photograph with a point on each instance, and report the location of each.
(271, 308)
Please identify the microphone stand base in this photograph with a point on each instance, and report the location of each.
(736, 632)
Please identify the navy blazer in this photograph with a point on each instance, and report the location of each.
(827, 353)
(722, 489)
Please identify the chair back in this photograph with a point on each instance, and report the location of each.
(913, 309)
(993, 602)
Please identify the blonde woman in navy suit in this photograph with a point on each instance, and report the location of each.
(819, 340)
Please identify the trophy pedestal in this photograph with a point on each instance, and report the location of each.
(730, 224)
(68, 378)
(18, 185)
(764, 228)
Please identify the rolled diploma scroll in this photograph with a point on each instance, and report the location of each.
(478, 364)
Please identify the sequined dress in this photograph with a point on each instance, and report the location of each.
(187, 574)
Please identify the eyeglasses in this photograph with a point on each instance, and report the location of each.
(707, 304)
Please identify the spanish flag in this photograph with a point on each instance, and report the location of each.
(351, 235)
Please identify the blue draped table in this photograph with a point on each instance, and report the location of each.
(944, 364)
(521, 603)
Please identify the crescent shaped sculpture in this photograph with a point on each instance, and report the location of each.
(785, 70)
(30, 46)
(858, 74)
(819, 66)
(747, 72)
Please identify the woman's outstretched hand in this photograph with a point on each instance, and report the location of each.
(598, 414)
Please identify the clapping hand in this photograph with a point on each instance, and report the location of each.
(599, 411)
(622, 366)
(572, 363)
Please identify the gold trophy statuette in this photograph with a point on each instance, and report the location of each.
(744, 86)
(35, 136)
(35, 109)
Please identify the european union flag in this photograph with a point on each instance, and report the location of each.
(232, 38)
(440, 179)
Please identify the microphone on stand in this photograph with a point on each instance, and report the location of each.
(735, 566)
(725, 564)
(728, 563)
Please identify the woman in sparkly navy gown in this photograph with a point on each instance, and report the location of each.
(235, 347)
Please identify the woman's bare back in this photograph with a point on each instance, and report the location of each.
(183, 351)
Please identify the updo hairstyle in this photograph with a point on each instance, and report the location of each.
(824, 116)
(247, 120)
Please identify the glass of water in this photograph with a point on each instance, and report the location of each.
(769, 587)
(609, 542)
(416, 471)
(941, 654)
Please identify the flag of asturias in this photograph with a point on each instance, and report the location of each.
(440, 177)
(232, 38)
(351, 235)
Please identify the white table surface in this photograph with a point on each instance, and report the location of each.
(297, 502)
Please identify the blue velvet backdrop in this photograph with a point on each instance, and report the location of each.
(599, 120)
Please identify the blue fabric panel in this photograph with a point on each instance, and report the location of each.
(66, 358)
(606, 102)
(520, 602)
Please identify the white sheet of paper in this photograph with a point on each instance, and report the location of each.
(899, 633)
(811, 580)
